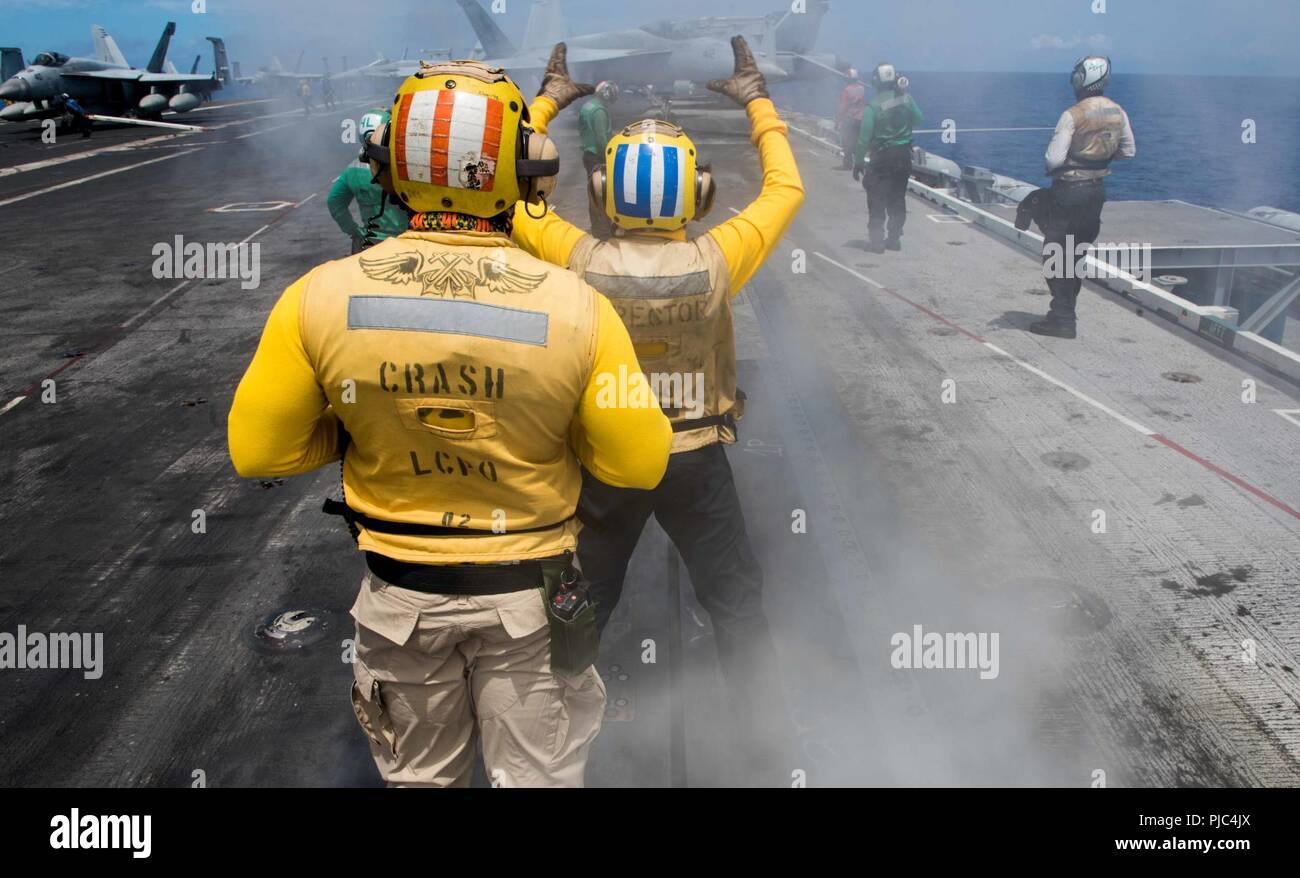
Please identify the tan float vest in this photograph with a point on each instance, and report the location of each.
(469, 358)
(1098, 126)
(675, 299)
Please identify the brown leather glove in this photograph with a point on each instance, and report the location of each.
(557, 85)
(747, 83)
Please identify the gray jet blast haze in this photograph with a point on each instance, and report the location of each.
(106, 83)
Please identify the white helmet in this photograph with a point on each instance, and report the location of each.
(1091, 74)
(607, 91)
(371, 122)
(884, 76)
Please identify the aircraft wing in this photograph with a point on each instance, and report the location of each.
(527, 61)
(813, 61)
(156, 78)
(127, 73)
(141, 76)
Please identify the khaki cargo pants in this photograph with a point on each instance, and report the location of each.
(434, 671)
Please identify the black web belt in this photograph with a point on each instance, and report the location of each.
(458, 579)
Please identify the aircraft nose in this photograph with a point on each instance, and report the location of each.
(14, 89)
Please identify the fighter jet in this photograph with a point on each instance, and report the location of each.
(793, 37)
(107, 84)
(633, 56)
(382, 69)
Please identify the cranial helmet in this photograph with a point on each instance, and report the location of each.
(459, 141)
(651, 178)
(607, 91)
(884, 76)
(1091, 75)
(372, 121)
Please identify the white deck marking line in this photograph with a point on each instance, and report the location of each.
(122, 328)
(146, 142)
(265, 227)
(305, 200)
(79, 181)
(155, 303)
(264, 131)
(1126, 421)
(1078, 394)
(126, 324)
(87, 154)
(1292, 415)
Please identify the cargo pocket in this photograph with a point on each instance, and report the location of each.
(582, 711)
(523, 613)
(368, 704)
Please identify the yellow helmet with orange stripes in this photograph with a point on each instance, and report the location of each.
(459, 141)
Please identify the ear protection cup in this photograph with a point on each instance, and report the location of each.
(540, 167)
(596, 187)
(375, 153)
(704, 191)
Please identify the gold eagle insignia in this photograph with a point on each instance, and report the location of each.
(451, 275)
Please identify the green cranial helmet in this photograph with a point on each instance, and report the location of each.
(372, 121)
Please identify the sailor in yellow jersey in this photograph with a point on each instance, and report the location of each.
(675, 294)
(455, 377)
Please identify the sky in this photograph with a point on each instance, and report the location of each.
(1205, 37)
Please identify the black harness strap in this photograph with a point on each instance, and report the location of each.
(413, 529)
(701, 423)
(727, 420)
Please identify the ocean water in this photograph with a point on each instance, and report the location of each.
(1188, 131)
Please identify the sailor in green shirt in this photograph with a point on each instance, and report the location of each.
(381, 217)
(596, 129)
(883, 159)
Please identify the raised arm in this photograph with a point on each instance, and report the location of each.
(550, 238)
(749, 238)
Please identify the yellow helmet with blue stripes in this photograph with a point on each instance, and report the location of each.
(652, 178)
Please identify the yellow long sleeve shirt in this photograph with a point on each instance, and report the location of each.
(746, 240)
(281, 423)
